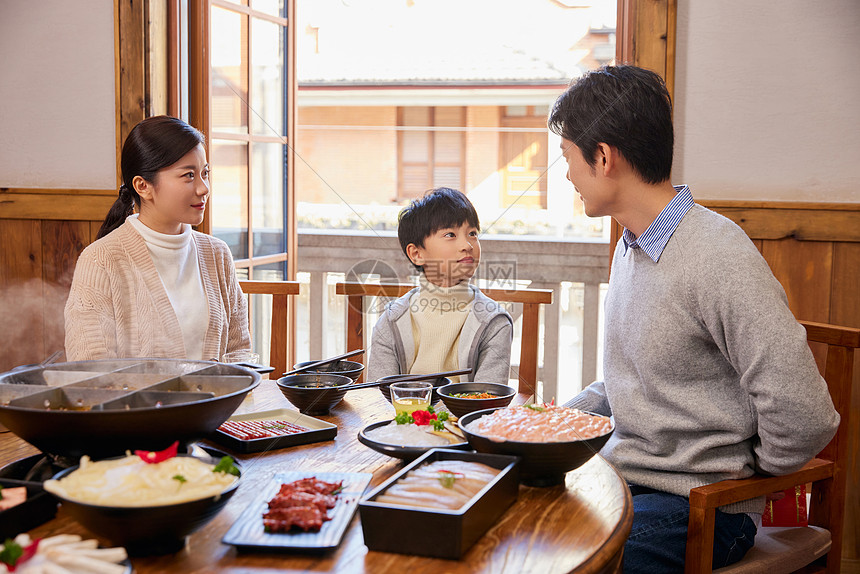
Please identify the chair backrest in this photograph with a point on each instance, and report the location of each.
(531, 300)
(828, 501)
(280, 292)
(828, 472)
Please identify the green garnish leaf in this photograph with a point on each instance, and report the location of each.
(448, 478)
(535, 408)
(11, 552)
(443, 416)
(430, 409)
(227, 466)
(181, 479)
(404, 418)
(437, 425)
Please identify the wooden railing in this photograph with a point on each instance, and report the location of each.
(506, 262)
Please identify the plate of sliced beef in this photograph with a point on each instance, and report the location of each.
(300, 511)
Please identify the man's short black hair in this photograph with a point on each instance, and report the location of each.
(440, 208)
(626, 107)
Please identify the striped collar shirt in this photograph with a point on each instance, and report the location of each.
(655, 238)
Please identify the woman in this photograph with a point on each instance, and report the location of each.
(150, 286)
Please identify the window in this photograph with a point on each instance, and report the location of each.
(431, 149)
(248, 128)
(523, 156)
(249, 148)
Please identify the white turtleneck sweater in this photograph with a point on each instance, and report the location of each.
(438, 315)
(175, 258)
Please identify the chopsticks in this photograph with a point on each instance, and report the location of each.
(407, 378)
(313, 366)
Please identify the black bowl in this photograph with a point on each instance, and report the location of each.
(459, 406)
(543, 463)
(440, 382)
(351, 369)
(401, 452)
(303, 391)
(148, 530)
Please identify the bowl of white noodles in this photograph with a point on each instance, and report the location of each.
(148, 507)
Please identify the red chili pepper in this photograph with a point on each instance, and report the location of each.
(27, 552)
(152, 457)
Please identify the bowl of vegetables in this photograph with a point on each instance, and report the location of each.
(464, 398)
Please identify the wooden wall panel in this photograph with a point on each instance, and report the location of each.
(75, 206)
(804, 268)
(845, 298)
(132, 69)
(62, 243)
(845, 310)
(22, 336)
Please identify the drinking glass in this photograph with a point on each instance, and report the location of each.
(412, 396)
(248, 404)
(241, 357)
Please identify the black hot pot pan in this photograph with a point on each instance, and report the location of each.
(106, 407)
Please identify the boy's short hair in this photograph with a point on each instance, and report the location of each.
(626, 107)
(440, 208)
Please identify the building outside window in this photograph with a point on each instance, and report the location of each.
(395, 98)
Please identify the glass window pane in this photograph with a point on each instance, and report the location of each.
(230, 195)
(270, 7)
(229, 71)
(416, 146)
(416, 116)
(267, 198)
(269, 271)
(447, 177)
(261, 310)
(449, 116)
(349, 84)
(267, 77)
(449, 147)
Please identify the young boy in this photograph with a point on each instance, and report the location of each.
(445, 323)
(706, 371)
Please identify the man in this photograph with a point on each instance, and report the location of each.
(706, 371)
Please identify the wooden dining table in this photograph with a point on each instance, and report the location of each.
(580, 526)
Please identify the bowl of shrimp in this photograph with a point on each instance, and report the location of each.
(551, 440)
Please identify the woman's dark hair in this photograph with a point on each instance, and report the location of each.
(626, 107)
(152, 145)
(440, 208)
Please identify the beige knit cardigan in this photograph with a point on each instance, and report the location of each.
(118, 306)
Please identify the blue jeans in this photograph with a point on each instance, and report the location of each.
(658, 539)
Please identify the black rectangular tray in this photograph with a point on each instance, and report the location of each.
(318, 430)
(247, 532)
(439, 533)
(38, 508)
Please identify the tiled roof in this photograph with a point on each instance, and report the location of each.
(439, 42)
(506, 65)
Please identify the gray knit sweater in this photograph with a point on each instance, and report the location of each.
(706, 371)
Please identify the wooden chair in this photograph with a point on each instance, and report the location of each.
(531, 299)
(280, 292)
(779, 550)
